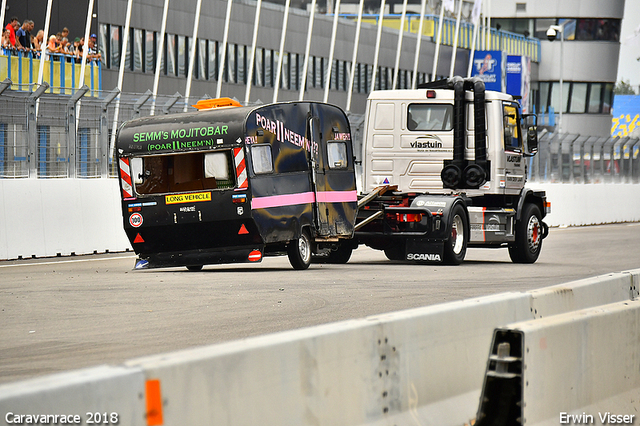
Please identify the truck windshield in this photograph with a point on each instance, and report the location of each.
(182, 172)
(429, 117)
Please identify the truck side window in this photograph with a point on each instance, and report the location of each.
(261, 159)
(337, 154)
(512, 140)
(429, 117)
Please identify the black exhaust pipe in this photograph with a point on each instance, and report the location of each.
(452, 172)
(477, 173)
(460, 173)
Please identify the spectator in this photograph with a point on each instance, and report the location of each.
(52, 46)
(24, 34)
(37, 40)
(12, 26)
(65, 33)
(6, 43)
(93, 51)
(76, 50)
(64, 43)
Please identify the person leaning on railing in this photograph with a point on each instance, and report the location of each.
(36, 41)
(6, 42)
(53, 46)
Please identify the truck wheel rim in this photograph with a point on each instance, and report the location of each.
(303, 248)
(533, 233)
(457, 234)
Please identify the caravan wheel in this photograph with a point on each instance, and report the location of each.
(299, 251)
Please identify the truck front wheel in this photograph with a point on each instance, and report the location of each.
(528, 243)
(455, 248)
(299, 251)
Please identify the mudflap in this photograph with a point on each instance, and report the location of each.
(424, 250)
(199, 257)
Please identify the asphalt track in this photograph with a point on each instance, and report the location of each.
(67, 313)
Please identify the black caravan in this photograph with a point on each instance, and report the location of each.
(232, 184)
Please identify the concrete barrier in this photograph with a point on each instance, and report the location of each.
(420, 366)
(117, 393)
(50, 217)
(581, 367)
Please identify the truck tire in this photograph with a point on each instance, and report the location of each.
(528, 243)
(341, 255)
(455, 247)
(299, 251)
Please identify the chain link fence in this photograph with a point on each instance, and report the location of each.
(53, 136)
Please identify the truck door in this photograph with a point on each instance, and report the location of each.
(514, 165)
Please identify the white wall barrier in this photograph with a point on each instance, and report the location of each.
(47, 217)
(421, 366)
(591, 204)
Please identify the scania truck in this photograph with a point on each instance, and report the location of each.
(444, 168)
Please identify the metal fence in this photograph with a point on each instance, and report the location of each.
(44, 135)
(570, 158)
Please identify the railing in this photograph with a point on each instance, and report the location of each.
(47, 135)
(61, 71)
(570, 158)
(512, 43)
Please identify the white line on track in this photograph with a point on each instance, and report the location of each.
(67, 261)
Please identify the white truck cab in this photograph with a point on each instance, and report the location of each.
(410, 133)
(444, 168)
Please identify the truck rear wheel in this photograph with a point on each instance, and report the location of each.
(455, 248)
(528, 244)
(299, 251)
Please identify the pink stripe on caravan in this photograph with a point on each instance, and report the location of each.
(337, 196)
(282, 200)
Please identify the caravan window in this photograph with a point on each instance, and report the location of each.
(192, 171)
(337, 154)
(261, 159)
(429, 117)
(136, 170)
(216, 166)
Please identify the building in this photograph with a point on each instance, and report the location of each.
(589, 61)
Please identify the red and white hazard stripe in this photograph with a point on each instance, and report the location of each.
(125, 178)
(241, 168)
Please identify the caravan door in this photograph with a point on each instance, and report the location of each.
(333, 173)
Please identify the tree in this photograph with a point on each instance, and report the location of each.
(624, 88)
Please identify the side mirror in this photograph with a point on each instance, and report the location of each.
(530, 122)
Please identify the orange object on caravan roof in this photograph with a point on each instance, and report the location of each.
(216, 103)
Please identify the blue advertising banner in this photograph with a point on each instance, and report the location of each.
(519, 79)
(490, 67)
